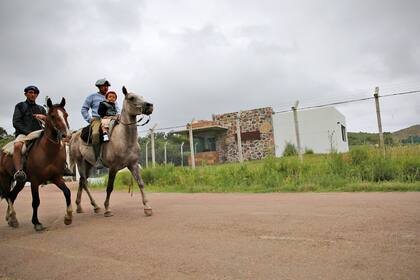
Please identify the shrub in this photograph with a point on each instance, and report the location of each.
(290, 150)
(309, 151)
(359, 155)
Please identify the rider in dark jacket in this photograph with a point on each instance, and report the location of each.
(26, 119)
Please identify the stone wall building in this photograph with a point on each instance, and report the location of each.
(257, 135)
(264, 134)
(216, 141)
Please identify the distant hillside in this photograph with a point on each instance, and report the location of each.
(405, 136)
(407, 133)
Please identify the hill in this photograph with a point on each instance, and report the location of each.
(405, 136)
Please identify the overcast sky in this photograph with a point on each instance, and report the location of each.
(194, 58)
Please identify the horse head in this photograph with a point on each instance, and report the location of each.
(57, 119)
(135, 104)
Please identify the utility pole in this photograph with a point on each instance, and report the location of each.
(294, 108)
(238, 135)
(164, 148)
(152, 137)
(182, 154)
(191, 144)
(378, 116)
(147, 157)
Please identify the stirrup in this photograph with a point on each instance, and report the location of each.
(20, 176)
(99, 164)
(68, 172)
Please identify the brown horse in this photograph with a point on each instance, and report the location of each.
(45, 162)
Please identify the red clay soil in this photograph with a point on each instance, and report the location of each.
(217, 236)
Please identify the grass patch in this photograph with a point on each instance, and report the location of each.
(362, 169)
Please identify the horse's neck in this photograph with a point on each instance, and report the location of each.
(128, 127)
(49, 139)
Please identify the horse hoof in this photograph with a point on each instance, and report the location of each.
(97, 210)
(67, 220)
(13, 223)
(108, 213)
(39, 227)
(148, 211)
(79, 210)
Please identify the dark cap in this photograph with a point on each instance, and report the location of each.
(34, 88)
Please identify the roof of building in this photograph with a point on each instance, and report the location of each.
(204, 126)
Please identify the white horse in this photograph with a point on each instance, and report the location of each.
(121, 151)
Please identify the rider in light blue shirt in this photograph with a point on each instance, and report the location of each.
(92, 103)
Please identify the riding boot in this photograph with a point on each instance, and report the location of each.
(97, 150)
(20, 175)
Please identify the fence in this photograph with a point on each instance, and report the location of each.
(164, 145)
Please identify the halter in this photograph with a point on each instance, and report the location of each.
(59, 133)
(135, 122)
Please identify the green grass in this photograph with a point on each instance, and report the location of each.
(362, 169)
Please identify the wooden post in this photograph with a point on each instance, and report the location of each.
(147, 157)
(192, 145)
(182, 154)
(378, 117)
(164, 148)
(238, 134)
(295, 116)
(152, 137)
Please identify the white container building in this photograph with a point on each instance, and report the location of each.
(322, 130)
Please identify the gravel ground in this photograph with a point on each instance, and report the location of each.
(217, 236)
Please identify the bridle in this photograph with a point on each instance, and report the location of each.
(59, 133)
(137, 121)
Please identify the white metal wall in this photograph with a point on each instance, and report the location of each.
(320, 130)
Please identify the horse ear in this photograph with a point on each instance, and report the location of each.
(63, 102)
(124, 90)
(49, 103)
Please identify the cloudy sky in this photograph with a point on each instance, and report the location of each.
(195, 58)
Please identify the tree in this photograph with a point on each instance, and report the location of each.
(173, 148)
(4, 137)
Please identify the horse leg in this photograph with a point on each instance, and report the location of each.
(96, 208)
(83, 185)
(35, 204)
(59, 182)
(109, 189)
(136, 173)
(11, 213)
(79, 208)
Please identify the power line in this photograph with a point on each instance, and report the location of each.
(351, 100)
(164, 128)
(315, 106)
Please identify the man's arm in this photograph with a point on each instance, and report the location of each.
(42, 114)
(18, 122)
(85, 109)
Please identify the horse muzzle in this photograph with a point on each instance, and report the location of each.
(147, 108)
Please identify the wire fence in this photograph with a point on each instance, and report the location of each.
(380, 112)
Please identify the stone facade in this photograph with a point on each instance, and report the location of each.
(256, 131)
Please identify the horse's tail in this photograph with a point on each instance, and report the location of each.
(72, 163)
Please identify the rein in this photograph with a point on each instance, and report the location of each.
(59, 133)
(136, 122)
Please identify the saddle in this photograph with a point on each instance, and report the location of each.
(86, 135)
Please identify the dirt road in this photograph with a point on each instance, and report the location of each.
(218, 236)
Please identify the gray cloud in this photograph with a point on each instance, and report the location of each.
(195, 59)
